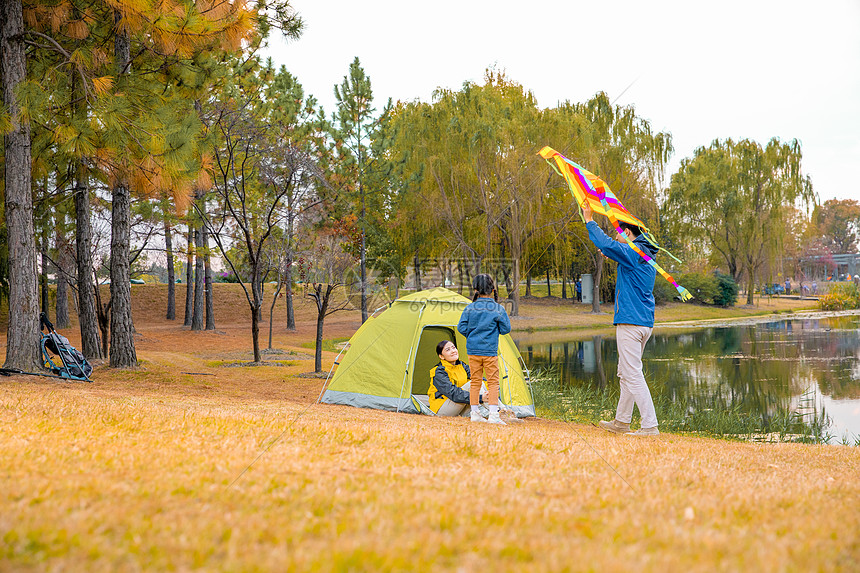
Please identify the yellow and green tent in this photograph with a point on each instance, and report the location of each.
(389, 358)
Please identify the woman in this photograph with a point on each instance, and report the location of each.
(449, 382)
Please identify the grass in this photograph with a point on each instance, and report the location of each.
(347, 489)
(237, 469)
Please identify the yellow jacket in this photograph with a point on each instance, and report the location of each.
(446, 383)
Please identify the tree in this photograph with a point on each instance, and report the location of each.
(23, 329)
(168, 251)
(251, 204)
(294, 124)
(329, 265)
(736, 196)
(354, 131)
(838, 223)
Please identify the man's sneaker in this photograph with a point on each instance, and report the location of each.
(615, 426)
(495, 419)
(477, 417)
(645, 432)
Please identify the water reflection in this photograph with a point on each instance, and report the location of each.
(809, 366)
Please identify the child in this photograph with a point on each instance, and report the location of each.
(481, 323)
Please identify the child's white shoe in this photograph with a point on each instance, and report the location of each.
(495, 419)
(477, 417)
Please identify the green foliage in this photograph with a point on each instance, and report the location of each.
(702, 286)
(843, 296)
(716, 288)
(736, 199)
(837, 222)
(727, 290)
(663, 291)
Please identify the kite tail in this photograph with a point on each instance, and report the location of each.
(685, 294)
(651, 240)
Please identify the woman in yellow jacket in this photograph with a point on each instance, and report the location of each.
(449, 382)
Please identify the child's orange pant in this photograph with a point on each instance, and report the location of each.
(484, 366)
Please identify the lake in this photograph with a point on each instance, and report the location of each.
(809, 365)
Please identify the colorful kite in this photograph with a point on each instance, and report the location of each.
(586, 186)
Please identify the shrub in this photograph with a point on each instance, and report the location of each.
(702, 286)
(727, 290)
(841, 297)
(225, 277)
(664, 291)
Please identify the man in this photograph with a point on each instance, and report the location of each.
(634, 322)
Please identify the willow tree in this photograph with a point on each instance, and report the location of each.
(735, 196)
(619, 146)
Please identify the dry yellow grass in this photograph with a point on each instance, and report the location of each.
(134, 472)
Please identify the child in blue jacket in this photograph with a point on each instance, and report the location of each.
(482, 322)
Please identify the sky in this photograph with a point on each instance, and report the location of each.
(755, 69)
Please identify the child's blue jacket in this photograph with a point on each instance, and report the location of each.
(634, 288)
(481, 323)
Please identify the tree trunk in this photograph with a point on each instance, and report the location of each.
(460, 274)
(417, 266)
(288, 295)
(272, 309)
(257, 306)
(515, 287)
(595, 288)
(122, 351)
(189, 277)
(548, 286)
(318, 345)
(563, 287)
(207, 273)
(255, 332)
(62, 302)
(87, 314)
(103, 315)
(198, 318)
(363, 261)
(22, 350)
(171, 279)
(322, 301)
(528, 285)
(750, 287)
(43, 275)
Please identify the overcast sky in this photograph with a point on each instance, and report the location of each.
(753, 69)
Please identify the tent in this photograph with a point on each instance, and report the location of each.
(389, 358)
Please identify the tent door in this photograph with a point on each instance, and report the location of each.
(426, 357)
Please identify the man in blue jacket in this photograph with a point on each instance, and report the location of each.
(634, 322)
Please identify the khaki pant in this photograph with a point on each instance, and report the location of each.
(484, 367)
(631, 341)
(451, 408)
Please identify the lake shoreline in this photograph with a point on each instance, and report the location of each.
(541, 331)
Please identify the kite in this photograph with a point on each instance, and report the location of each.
(586, 186)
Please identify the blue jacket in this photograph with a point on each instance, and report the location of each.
(634, 289)
(482, 322)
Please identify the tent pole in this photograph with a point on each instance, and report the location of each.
(409, 357)
(331, 370)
